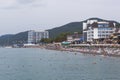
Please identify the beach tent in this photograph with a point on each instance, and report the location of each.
(66, 43)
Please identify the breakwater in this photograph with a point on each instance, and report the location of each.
(98, 49)
(95, 49)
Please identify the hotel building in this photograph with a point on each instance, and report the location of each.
(94, 29)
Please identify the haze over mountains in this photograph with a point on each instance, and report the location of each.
(21, 37)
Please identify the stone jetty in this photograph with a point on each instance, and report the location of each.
(95, 49)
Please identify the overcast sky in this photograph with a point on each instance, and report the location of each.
(21, 15)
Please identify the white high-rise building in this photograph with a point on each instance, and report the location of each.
(93, 29)
(36, 36)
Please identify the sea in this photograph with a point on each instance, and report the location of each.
(42, 64)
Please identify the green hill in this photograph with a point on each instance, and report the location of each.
(71, 27)
(19, 38)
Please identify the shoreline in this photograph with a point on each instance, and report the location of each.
(110, 50)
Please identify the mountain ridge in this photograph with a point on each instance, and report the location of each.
(19, 38)
(10, 39)
(73, 27)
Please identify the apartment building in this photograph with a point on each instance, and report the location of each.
(36, 36)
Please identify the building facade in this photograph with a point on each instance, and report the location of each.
(94, 29)
(36, 36)
(74, 38)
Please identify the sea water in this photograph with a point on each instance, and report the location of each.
(41, 64)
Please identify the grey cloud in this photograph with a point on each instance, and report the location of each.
(30, 3)
(10, 7)
(25, 1)
(19, 4)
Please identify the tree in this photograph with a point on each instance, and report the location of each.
(46, 40)
(62, 37)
